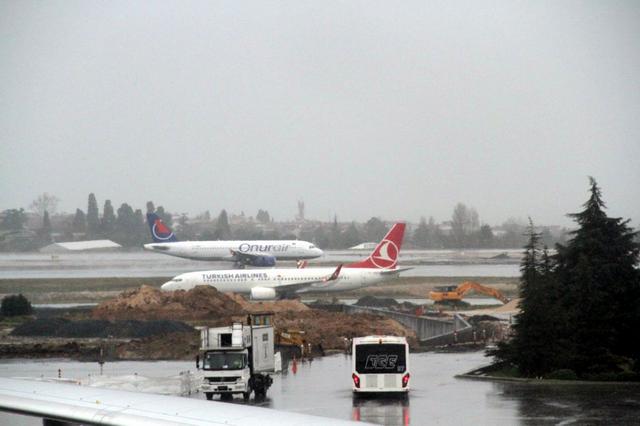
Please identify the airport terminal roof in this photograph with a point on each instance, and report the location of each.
(80, 246)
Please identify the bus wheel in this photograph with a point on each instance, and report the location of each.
(209, 395)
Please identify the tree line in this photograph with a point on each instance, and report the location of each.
(127, 226)
(580, 308)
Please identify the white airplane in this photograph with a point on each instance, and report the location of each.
(273, 283)
(254, 253)
(68, 404)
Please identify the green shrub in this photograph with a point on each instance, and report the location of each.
(15, 305)
(628, 376)
(605, 376)
(562, 374)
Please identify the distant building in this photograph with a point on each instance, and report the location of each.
(78, 246)
(364, 246)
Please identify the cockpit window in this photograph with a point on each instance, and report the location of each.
(312, 246)
(177, 280)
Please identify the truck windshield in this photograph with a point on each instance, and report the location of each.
(224, 361)
(380, 358)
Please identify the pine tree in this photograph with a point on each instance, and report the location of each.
(13, 219)
(374, 230)
(530, 339)
(127, 226)
(108, 219)
(45, 232)
(421, 236)
(535, 348)
(263, 216)
(142, 232)
(598, 269)
(93, 219)
(350, 237)
(485, 236)
(223, 231)
(79, 221)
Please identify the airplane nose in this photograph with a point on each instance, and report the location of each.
(168, 286)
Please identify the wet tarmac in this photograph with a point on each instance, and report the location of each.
(425, 263)
(323, 387)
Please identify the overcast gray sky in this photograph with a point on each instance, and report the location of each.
(389, 109)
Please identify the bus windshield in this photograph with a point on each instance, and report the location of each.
(224, 361)
(380, 358)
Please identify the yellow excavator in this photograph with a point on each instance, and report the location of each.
(293, 338)
(454, 294)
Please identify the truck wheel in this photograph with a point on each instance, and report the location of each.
(209, 395)
(246, 395)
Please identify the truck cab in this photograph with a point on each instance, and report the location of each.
(225, 372)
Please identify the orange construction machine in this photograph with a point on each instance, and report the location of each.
(455, 294)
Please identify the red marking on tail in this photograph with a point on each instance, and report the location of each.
(385, 255)
(162, 228)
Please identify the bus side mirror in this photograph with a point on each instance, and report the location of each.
(197, 362)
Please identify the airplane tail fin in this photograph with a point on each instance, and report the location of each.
(386, 253)
(160, 232)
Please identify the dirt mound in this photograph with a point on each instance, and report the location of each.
(331, 329)
(376, 302)
(59, 327)
(202, 302)
(172, 346)
(511, 306)
(269, 306)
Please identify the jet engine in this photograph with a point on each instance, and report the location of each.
(262, 261)
(263, 293)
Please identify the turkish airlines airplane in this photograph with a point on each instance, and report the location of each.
(273, 283)
(254, 253)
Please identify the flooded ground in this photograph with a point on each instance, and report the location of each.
(323, 387)
(426, 263)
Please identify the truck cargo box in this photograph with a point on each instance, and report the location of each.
(263, 358)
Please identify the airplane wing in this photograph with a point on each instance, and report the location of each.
(95, 406)
(395, 271)
(292, 287)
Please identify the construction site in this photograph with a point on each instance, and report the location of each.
(146, 323)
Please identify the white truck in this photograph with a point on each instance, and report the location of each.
(237, 359)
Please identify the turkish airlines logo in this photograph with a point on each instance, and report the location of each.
(386, 255)
(160, 230)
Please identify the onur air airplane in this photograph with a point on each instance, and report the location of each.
(273, 283)
(254, 253)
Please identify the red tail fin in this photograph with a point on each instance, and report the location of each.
(385, 255)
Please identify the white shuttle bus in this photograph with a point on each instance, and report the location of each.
(380, 365)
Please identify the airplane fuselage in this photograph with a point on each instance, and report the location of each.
(239, 281)
(222, 250)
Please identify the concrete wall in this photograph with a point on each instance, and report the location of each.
(426, 328)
